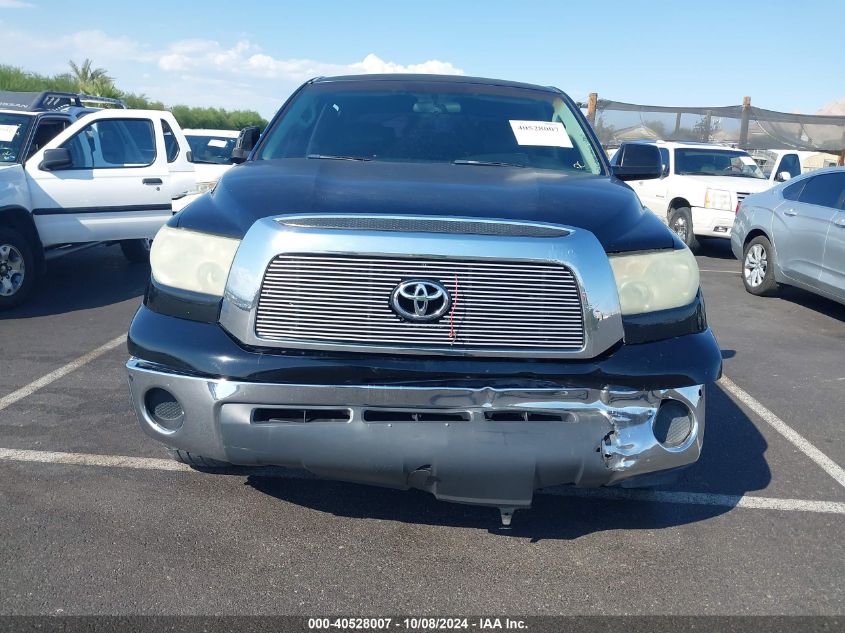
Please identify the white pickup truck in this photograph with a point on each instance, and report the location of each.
(72, 176)
(700, 189)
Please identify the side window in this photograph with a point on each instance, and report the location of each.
(793, 191)
(171, 145)
(45, 132)
(113, 143)
(791, 164)
(825, 190)
(664, 160)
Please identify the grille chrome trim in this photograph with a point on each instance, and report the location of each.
(593, 293)
(411, 224)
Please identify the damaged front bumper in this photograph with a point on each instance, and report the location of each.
(492, 445)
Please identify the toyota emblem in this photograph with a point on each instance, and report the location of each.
(420, 300)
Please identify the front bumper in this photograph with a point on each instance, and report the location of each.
(712, 222)
(490, 445)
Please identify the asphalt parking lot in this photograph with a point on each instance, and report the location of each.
(94, 520)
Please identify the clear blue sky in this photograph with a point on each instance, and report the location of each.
(785, 55)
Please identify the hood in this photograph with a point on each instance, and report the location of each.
(256, 189)
(732, 183)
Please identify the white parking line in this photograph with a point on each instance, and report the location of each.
(613, 494)
(796, 439)
(702, 499)
(53, 376)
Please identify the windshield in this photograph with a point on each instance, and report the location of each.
(766, 161)
(715, 162)
(471, 125)
(13, 129)
(211, 149)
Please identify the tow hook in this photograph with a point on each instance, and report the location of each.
(506, 513)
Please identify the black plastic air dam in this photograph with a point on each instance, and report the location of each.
(205, 349)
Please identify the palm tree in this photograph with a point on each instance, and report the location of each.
(91, 80)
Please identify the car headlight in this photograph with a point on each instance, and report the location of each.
(656, 280)
(717, 199)
(197, 189)
(193, 261)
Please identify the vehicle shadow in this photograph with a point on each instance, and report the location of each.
(812, 301)
(717, 248)
(733, 463)
(92, 278)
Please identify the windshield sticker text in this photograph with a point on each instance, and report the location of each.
(541, 133)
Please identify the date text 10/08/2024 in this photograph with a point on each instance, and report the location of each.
(413, 624)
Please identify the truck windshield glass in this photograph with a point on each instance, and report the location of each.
(473, 126)
(216, 150)
(715, 162)
(13, 129)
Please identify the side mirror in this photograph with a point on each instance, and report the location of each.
(247, 139)
(783, 176)
(638, 161)
(58, 158)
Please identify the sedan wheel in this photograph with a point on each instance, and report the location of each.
(758, 267)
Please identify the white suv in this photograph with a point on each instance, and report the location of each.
(66, 181)
(700, 189)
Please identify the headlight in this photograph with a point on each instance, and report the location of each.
(202, 187)
(193, 261)
(717, 199)
(197, 189)
(657, 280)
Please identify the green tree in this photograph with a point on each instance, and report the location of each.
(95, 81)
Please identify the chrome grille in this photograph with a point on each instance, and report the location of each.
(345, 300)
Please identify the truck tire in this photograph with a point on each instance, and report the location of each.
(758, 267)
(136, 251)
(680, 221)
(17, 268)
(197, 461)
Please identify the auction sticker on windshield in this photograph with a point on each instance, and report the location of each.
(7, 132)
(542, 133)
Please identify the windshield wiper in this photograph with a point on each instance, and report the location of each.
(485, 163)
(330, 157)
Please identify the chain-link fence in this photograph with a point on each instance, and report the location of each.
(741, 126)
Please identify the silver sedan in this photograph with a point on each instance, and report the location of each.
(794, 234)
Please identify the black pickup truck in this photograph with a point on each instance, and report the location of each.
(427, 282)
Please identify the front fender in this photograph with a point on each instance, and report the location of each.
(13, 189)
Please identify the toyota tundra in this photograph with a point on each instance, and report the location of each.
(427, 282)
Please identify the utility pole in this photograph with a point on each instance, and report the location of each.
(592, 101)
(743, 126)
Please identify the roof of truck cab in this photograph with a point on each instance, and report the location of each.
(459, 79)
(43, 101)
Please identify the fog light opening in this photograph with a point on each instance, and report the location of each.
(673, 424)
(164, 410)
